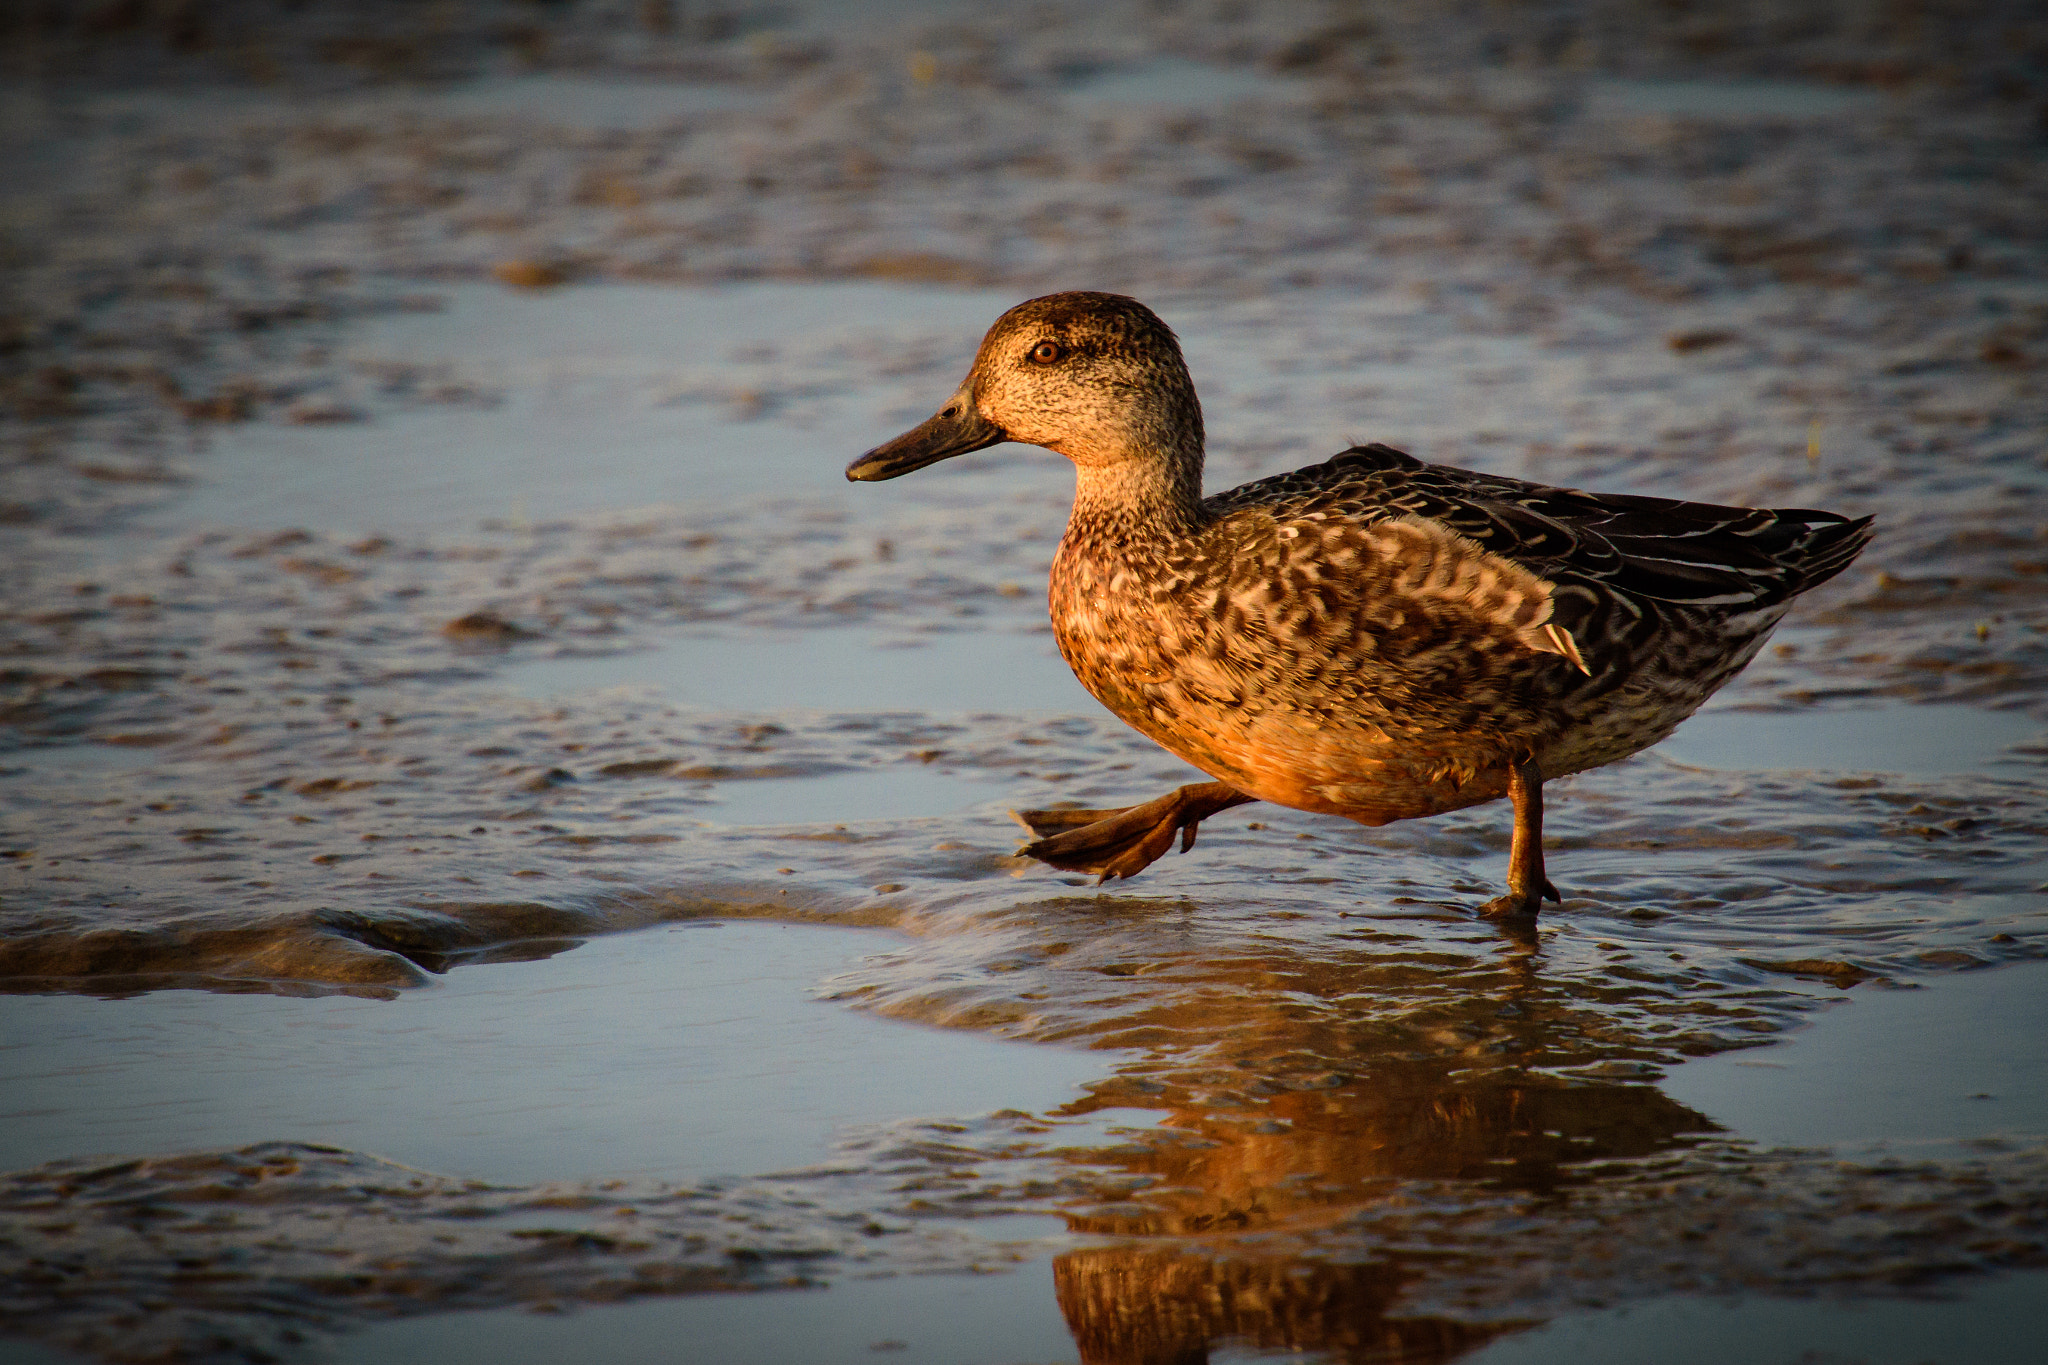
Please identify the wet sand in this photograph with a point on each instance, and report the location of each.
(506, 853)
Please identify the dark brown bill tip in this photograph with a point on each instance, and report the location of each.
(955, 429)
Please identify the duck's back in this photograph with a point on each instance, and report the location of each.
(1379, 637)
(1652, 549)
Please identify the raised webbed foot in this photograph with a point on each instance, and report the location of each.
(1123, 843)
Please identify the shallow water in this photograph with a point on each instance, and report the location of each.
(537, 406)
(1879, 1072)
(656, 1054)
(944, 1320)
(1728, 100)
(1173, 83)
(1013, 1318)
(1998, 1322)
(1886, 739)
(561, 99)
(828, 670)
(816, 705)
(493, 822)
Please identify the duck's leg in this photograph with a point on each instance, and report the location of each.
(1122, 843)
(1527, 886)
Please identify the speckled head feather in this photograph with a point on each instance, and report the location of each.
(1097, 377)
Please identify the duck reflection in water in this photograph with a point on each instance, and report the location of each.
(1372, 637)
(1140, 1306)
(1205, 1258)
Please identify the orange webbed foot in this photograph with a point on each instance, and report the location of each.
(1124, 842)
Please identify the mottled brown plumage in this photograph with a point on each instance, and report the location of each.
(1371, 637)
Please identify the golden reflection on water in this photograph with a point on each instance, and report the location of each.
(1397, 1141)
(1230, 1201)
(1135, 1306)
(1321, 1154)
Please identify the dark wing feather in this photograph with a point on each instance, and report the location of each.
(1648, 549)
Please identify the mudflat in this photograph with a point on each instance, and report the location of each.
(493, 823)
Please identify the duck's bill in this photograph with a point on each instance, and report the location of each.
(955, 429)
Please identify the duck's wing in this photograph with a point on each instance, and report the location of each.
(1647, 549)
(1610, 566)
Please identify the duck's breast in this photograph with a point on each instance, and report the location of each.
(1310, 666)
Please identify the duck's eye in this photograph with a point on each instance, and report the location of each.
(1045, 352)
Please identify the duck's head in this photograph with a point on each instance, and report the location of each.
(1097, 377)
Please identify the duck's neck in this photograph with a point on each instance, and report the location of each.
(1148, 497)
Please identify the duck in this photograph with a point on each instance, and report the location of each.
(1372, 637)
